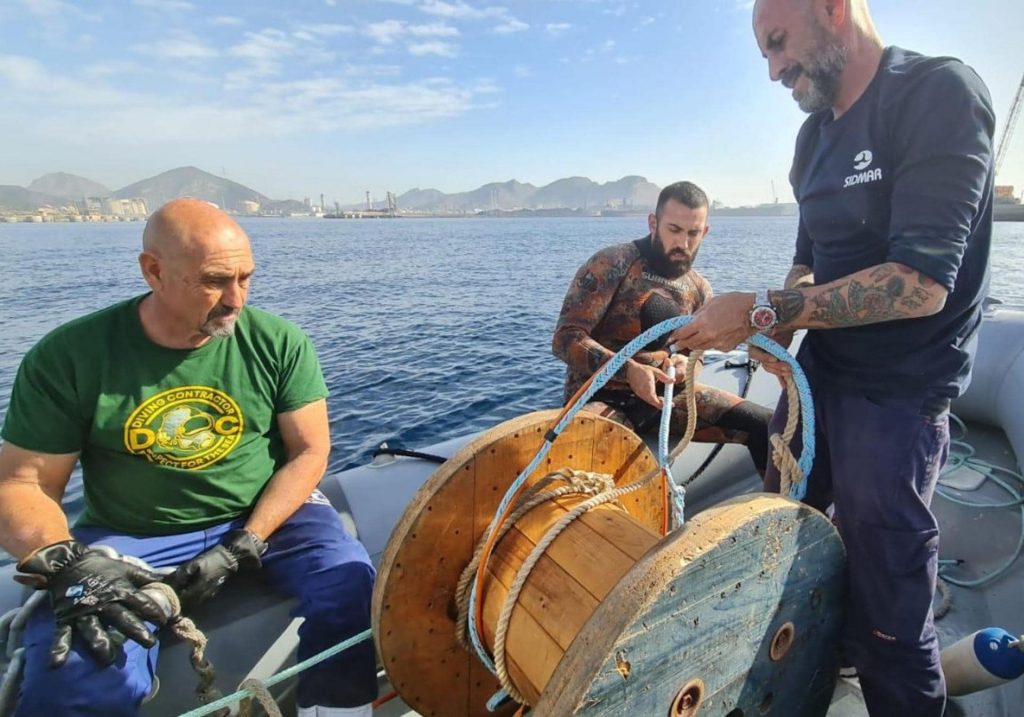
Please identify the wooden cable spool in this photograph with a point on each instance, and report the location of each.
(613, 619)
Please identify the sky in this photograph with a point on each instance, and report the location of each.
(340, 97)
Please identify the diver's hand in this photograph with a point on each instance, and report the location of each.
(643, 381)
(780, 369)
(199, 579)
(682, 364)
(97, 596)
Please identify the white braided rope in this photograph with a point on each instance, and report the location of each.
(782, 455)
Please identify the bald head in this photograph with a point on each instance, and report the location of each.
(198, 262)
(188, 226)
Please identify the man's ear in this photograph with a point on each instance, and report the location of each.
(652, 224)
(834, 13)
(152, 272)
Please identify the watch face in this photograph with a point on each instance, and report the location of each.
(762, 317)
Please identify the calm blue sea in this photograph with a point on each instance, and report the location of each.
(426, 328)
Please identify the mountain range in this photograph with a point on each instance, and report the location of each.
(60, 189)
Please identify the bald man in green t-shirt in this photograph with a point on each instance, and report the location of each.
(197, 421)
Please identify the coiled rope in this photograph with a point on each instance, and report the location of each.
(962, 455)
(792, 471)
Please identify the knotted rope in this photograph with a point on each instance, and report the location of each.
(183, 628)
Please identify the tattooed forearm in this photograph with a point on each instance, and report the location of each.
(789, 304)
(881, 293)
(799, 276)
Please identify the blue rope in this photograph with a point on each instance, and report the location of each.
(282, 675)
(605, 374)
(803, 389)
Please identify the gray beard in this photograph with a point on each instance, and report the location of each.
(218, 329)
(823, 75)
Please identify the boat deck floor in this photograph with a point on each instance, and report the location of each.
(984, 539)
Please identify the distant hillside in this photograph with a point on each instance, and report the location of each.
(569, 193)
(19, 199)
(190, 182)
(61, 184)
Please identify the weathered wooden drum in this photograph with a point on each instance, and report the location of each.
(736, 614)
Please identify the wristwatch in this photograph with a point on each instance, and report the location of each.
(763, 316)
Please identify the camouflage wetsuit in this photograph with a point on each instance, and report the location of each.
(616, 295)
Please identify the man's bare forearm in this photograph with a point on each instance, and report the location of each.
(287, 490)
(29, 518)
(887, 292)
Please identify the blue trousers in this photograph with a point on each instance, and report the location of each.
(310, 557)
(877, 460)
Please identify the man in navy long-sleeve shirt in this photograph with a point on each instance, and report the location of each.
(893, 175)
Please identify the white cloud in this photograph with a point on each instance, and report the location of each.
(385, 32)
(388, 31)
(226, 21)
(325, 29)
(460, 10)
(168, 5)
(180, 45)
(441, 49)
(101, 70)
(511, 25)
(55, 8)
(353, 99)
(265, 46)
(557, 28)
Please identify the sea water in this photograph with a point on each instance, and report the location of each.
(426, 328)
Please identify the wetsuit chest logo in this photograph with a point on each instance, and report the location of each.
(189, 427)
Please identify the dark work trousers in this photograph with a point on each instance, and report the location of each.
(310, 557)
(877, 460)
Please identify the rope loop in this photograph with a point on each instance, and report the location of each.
(472, 581)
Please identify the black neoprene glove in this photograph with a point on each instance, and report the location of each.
(97, 596)
(199, 579)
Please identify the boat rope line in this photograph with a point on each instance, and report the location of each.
(751, 366)
(962, 456)
(385, 450)
(793, 471)
(184, 629)
(248, 688)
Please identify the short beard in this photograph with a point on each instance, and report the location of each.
(823, 73)
(216, 327)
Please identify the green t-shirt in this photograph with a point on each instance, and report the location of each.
(170, 439)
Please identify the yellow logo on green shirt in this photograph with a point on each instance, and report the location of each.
(189, 427)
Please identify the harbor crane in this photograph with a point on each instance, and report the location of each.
(1011, 121)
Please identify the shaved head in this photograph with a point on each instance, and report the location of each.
(198, 262)
(184, 226)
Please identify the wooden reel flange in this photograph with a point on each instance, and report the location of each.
(738, 611)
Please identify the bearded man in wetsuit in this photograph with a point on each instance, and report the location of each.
(627, 288)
